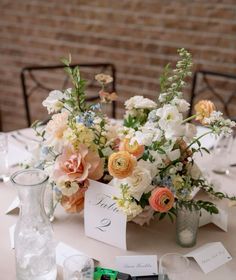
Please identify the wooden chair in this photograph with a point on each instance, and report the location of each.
(38, 81)
(218, 87)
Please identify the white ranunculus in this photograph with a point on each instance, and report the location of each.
(53, 101)
(139, 102)
(182, 104)
(142, 138)
(139, 182)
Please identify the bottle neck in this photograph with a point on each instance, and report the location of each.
(31, 200)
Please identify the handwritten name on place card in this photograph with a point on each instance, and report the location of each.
(102, 219)
(210, 256)
(137, 265)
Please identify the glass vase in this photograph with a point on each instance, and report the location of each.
(33, 238)
(187, 222)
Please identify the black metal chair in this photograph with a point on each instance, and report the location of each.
(215, 86)
(37, 81)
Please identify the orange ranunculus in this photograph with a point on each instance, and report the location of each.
(121, 164)
(135, 149)
(75, 202)
(203, 109)
(161, 199)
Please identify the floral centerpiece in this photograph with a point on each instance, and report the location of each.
(151, 158)
(77, 140)
(155, 166)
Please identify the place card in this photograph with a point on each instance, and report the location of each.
(220, 219)
(64, 251)
(102, 219)
(13, 206)
(210, 256)
(11, 233)
(137, 265)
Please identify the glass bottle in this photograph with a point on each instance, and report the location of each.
(187, 222)
(33, 238)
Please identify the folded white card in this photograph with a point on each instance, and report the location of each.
(220, 219)
(11, 233)
(13, 206)
(102, 219)
(137, 265)
(210, 256)
(64, 251)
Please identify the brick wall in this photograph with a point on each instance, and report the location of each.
(139, 37)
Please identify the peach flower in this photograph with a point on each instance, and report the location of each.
(107, 97)
(121, 164)
(57, 125)
(75, 202)
(203, 109)
(78, 165)
(135, 149)
(161, 199)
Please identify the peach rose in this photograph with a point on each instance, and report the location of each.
(161, 199)
(75, 202)
(78, 165)
(203, 109)
(121, 164)
(135, 149)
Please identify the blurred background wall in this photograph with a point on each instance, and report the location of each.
(138, 36)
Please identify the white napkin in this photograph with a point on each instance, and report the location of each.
(17, 154)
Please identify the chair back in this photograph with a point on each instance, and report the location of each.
(217, 87)
(38, 81)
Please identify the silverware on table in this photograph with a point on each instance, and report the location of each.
(20, 142)
(26, 136)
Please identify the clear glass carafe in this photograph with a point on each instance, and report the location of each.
(34, 242)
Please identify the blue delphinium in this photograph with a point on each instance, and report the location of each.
(87, 118)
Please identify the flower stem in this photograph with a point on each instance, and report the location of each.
(189, 118)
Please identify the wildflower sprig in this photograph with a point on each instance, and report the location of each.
(172, 81)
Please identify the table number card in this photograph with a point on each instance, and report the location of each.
(137, 265)
(210, 256)
(220, 220)
(14, 206)
(103, 220)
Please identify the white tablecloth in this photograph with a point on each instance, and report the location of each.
(158, 238)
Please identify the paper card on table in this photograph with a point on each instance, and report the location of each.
(210, 256)
(64, 251)
(17, 155)
(11, 233)
(220, 220)
(137, 265)
(13, 206)
(103, 220)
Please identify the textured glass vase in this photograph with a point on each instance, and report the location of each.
(187, 222)
(34, 242)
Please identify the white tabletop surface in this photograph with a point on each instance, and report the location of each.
(158, 238)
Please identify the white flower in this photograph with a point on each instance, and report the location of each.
(144, 217)
(66, 187)
(139, 102)
(194, 171)
(131, 209)
(170, 120)
(169, 116)
(53, 101)
(182, 104)
(139, 182)
(173, 155)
